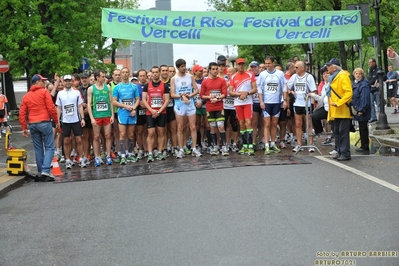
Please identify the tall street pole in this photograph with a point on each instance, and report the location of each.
(382, 118)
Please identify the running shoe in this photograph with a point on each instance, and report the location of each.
(261, 146)
(161, 156)
(275, 149)
(186, 151)
(179, 154)
(101, 160)
(196, 153)
(297, 148)
(62, 160)
(131, 158)
(225, 151)
(204, 146)
(333, 152)
(327, 142)
(155, 152)
(140, 154)
(82, 164)
(214, 151)
(97, 162)
(123, 160)
(311, 149)
(234, 148)
(267, 150)
(118, 159)
(282, 145)
(150, 158)
(250, 151)
(243, 150)
(68, 164)
(165, 154)
(108, 160)
(86, 160)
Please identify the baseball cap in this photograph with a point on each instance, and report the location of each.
(222, 58)
(134, 78)
(69, 77)
(221, 63)
(84, 75)
(333, 61)
(37, 77)
(240, 61)
(197, 68)
(253, 63)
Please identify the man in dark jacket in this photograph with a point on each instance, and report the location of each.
(361, 102)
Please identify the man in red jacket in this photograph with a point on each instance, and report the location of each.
(37, 109)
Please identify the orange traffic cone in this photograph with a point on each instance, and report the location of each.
(56, 168)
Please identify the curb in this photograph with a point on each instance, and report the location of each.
(14, 183)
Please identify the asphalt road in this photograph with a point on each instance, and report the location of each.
(260, 215)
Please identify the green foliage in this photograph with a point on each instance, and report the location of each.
(389, 19)
(43, 36)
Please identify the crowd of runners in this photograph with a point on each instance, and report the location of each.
(183, 111)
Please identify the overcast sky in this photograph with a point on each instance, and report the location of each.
(202, 53)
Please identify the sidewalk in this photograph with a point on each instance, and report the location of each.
(8, 182)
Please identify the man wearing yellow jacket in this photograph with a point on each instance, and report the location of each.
(339, 94)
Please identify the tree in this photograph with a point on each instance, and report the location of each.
(43, 36)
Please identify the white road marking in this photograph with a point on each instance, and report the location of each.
(360, 173)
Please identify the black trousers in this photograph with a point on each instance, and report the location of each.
(364, 135)
(317, 116)
(341, 133)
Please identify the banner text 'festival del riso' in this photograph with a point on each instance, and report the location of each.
(249, 28)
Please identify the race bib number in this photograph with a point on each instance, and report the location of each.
(390, 87)
(300, 89)
(170, 103)
(102, 106)
(128, 101)
(255, 96)
(156, 102)
(215, 93)
(69, 109)
(142, 112)
(271, 88)
(229, 101)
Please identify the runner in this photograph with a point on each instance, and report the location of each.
(126, 98)
(230, 116)
(101, 115)
(87, 130)
(70, 109)
(183, 88)
(214, 90)
(300, 85)
(156, 100)
(272, 89)
(242, 85)
(141, 129)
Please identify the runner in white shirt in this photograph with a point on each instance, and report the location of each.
(70, 109)
(272, 90)
(301, 84)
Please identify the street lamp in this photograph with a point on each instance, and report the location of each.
(382, 118)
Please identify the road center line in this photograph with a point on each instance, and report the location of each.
(360, 173)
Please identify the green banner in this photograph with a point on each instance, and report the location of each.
(231, 27)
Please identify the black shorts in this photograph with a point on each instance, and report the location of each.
(88, 122)
(215, 116)
(141, 118)
(283, 115)
(256, 108)
(230, 115)
(68, 127)
(160, 121)
(299, 110)
(391, 93)
(170, 114)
